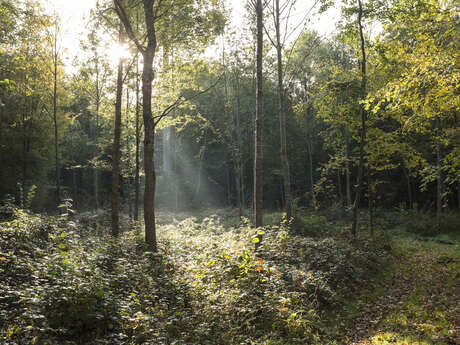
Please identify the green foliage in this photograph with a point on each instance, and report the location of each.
(425, 224)
(30, 197)
(206, 285)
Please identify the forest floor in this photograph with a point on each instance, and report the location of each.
(416, 301)
(65, 282)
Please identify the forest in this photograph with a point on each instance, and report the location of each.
(188, 176)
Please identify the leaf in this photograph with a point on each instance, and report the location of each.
(255, 240)
(259, 268)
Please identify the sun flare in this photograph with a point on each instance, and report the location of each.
(117, 51)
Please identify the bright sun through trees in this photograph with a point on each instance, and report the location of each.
(117, 51)
(220, 172)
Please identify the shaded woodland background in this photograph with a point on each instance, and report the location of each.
(204, 147)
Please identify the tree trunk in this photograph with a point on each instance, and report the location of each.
(409, 188)
(96, 135)
(310, 168)
(116, 150)
(56, 138)
(258, 157)
(438, 182)
(458, 196)
(363, 125)
(176, 184)
(149, 140)
(282, 117)
(22, 195)
(137, 172)
(239, 160)
(74, 176)
(200, 168)
(371, 204)
(129, 175)
(339, 186)
(347, 171)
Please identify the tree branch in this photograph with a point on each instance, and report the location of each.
(181, 100)
(119, 9)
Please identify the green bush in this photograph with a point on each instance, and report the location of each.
(425, 224)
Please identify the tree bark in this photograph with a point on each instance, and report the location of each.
(438, 181)
(363, 125)
(310, 168)
(282, 117)
(239, 161)
(339, 186)
(258, 157)
(347, 171)
(149, 139)
(138, 134)
(22, 195)
(96, 134)
(129, 175)
(200, 167)
(409, 188)
(137, 168)
(116, 150)
(458, 196)
(56, 138)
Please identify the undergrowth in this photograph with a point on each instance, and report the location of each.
(206, 284)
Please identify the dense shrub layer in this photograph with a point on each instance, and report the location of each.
(206, 285)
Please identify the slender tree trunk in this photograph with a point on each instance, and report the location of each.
(347, 171)
(438, 182)
(176, 184)
(56, 138)
(371, 204)
(138, 134)
(74, 176)
(129, 175)
(116, 150)
(458, 196)
(259, 149)
(339, 186)
(96, 135)
(149, 142)
(409, 188)
(282, 117)
(363, 125)
(24, 159)
(239, 160)
(310, 168)
(228, 183)
(229, 119)
(200, 168)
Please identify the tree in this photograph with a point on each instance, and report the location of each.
(55, 66)
(258, 132)
(116, 147)
(420, 94)
(287, 6)
(156, 14)
(362, 143)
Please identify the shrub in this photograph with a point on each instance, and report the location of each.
(426, 224)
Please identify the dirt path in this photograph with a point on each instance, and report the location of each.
(418, 303)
